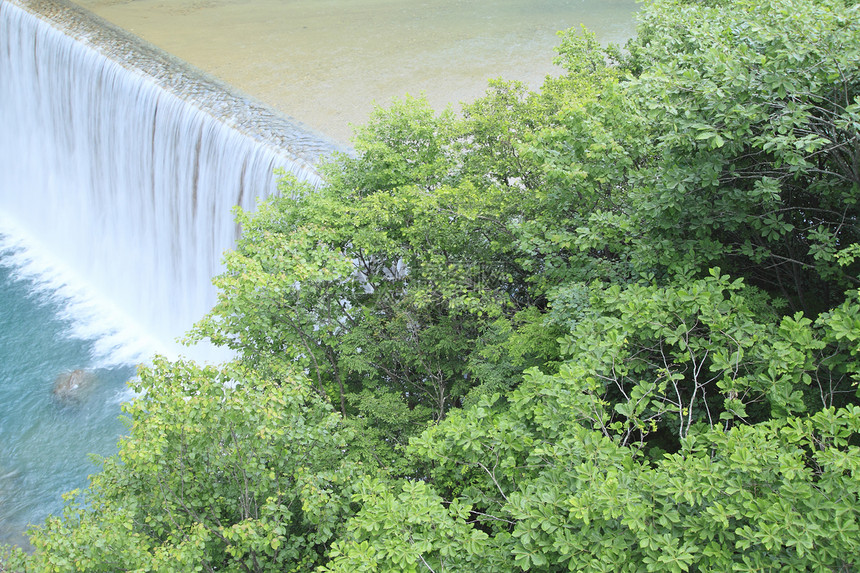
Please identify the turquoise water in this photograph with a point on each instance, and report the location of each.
(45, 441)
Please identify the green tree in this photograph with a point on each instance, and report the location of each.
(408, 527)
(223, 470)
(608, 326)
(570, 471)
(399, 284)
(754, 164)
(553, 479)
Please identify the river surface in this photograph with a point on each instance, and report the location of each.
(45, 440)
(325, 63)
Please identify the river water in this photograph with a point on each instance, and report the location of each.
(324, 62)
(45, 440)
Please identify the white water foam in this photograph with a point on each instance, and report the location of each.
(117, 338)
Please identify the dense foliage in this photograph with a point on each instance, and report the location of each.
(611, 325)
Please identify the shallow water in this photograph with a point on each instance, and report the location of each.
(45, 440)
(325, 62)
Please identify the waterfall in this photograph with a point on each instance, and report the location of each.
(124, 163)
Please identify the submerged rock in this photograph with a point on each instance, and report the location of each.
(70, 386)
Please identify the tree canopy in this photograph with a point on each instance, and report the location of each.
(609, 325)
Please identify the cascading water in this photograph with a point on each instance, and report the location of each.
(119, 167)
(125, 165)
